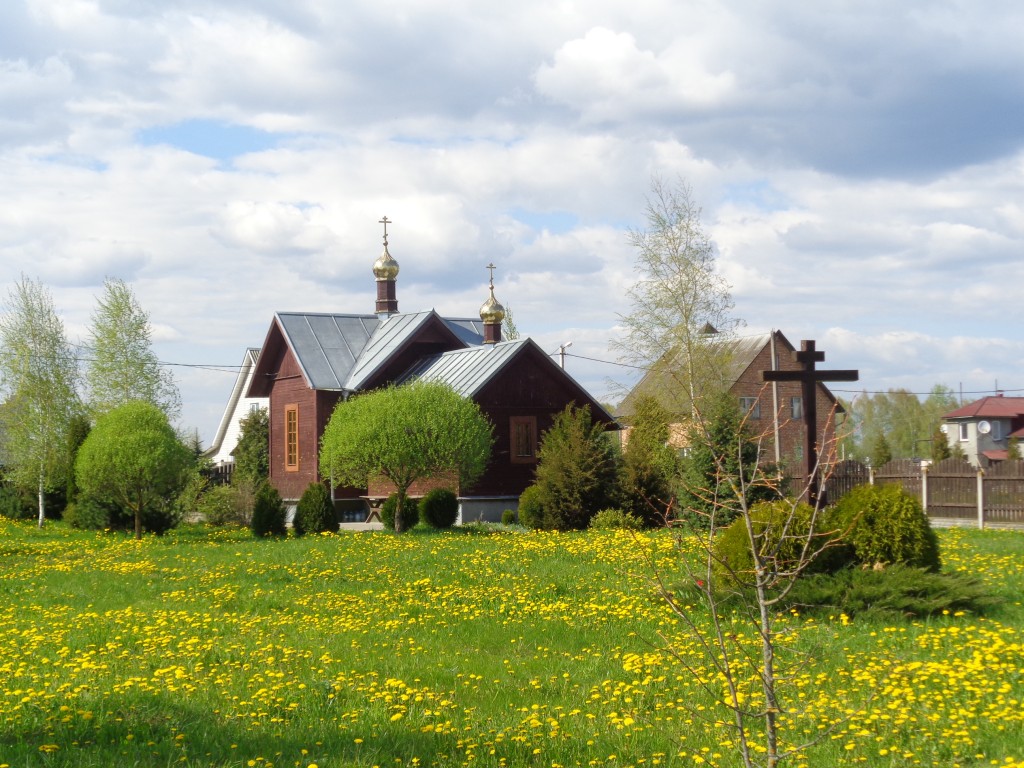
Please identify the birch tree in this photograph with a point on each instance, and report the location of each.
(38, 378)
(123, 366)
(680, 323)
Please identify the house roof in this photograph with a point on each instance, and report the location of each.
(394, 332)
(993, 407)
(237, 393)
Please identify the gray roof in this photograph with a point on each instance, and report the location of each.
(327, 346)
(341, 352)
(467, 371)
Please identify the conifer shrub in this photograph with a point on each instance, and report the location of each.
(268, 514)
(15, 504)
(781, 531)
(439, 508)
(87, 514)
(616, 519)
(508, 517)
(410, 513)
(886, 525)
(160, 517)
(531, 509)
(315, 512)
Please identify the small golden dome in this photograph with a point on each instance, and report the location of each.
(385, 267)
(491, 310)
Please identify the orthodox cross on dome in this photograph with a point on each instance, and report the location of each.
(809, 378)
(385, 221)
(490, 268)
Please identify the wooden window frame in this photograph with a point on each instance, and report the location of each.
(291, 438)
(514, 423)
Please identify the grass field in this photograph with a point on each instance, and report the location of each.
(210, 648)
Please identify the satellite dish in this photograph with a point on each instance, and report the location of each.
(984, 427)
(945, 429)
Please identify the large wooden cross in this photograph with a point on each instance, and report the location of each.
(809, 378)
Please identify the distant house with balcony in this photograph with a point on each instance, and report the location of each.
(220, 452)
(983, 429)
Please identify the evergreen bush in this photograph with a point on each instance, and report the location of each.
(886, 525)
(439, 508)
(160, 517)
(315, 512)
(531, 509)
(410, 513)
(87, 514)
(268, 514)
(611, 519)
(508, 517)
(15, 504)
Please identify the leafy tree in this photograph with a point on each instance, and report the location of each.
(404, 434)
(649, 465)
(576, 471)
(720, 476)
(901, 416)
(509, 330)
(133, 457)
(680, 323)
(123, 366)
(940, 445)
(252, 454)
(78, 430)
(38, 378)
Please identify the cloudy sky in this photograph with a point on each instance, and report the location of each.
(860, 167)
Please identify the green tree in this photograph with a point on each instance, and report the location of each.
(38, 378)
(252, 453)
(404, 434)
(881, 454)
(649, 465)
(123, 366)
(1013, 448)
(576, 470)
(940, 445)
(680, 326)
(720, 476)
(901, 416)
(509, 331)
(133, 457)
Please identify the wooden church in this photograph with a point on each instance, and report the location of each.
(311, 361)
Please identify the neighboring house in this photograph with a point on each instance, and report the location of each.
(983, 428)
(238, 407)
(311, 361)
(773, 410)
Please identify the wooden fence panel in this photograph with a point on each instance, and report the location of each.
(844, 477)
(953, 490)
(905, 473)
(1003, 487)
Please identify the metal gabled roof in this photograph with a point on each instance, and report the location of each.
(326, 346)
(467, 371)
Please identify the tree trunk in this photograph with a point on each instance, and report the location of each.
(42, 501)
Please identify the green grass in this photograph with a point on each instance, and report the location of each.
(211, 648)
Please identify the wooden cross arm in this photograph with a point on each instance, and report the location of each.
(803, 375)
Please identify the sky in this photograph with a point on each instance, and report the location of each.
(860, 168)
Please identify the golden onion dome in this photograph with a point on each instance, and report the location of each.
(491, 310)
(385, 267)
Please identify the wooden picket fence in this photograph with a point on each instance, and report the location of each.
(952, 491)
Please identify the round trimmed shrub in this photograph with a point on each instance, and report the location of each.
(315, 512)
(780, 529)
(886, 525)
(508, 517)
(439, 508)
(616, 519)
(410, 513)
(531, 511)
(268, 513)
